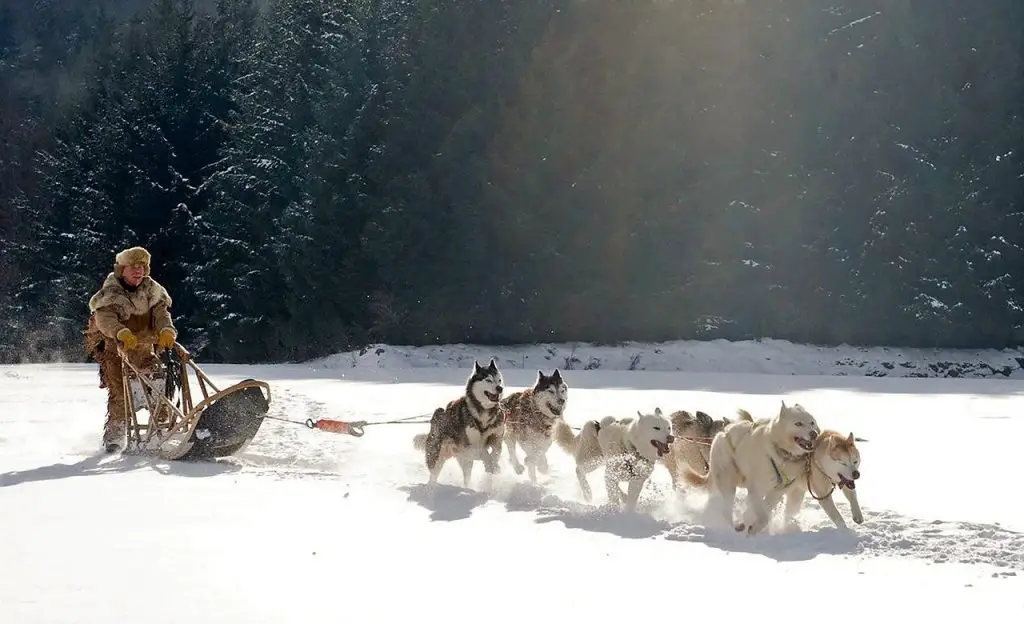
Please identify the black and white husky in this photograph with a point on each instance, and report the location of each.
(468, 428)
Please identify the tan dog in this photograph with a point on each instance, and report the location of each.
(764, 456)
(834, 463)
(692, 444)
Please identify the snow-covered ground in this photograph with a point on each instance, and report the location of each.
(306, 526)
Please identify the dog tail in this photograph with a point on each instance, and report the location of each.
(745, 415)
(696, 480)
(566, 439)
(419, 441)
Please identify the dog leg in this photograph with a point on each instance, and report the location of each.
(851, 497)
(510, 444)
(673, 471)
(581, 474)
(633, 494)
(466, 463)
(757, 516)
(491, 455)
(433, 458)
(832, 512)
(771, 502)
(721, 499)
(542, 462)
(611, 484)
(794, 500)
(531, 467)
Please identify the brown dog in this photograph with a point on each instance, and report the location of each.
(693, 435)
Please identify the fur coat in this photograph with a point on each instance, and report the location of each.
(145, 310)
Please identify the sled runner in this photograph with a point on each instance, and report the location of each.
(219, 425)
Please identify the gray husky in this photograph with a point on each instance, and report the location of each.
(529, 415)
(468, 428)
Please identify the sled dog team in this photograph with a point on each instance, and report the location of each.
(785, 456)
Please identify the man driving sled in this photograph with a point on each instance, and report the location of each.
(130, 309)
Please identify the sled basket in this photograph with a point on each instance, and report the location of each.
(222, 424)
(219, 425)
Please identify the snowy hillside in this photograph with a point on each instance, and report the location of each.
(778, 357)
(305, 526)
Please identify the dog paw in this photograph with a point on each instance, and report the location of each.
(859, 519)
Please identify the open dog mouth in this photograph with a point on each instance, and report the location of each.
(661, 446)
(492, 396)
(804, 443)
(847, 483)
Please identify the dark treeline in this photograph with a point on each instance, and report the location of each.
(315, 175)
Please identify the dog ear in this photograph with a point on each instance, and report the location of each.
(851, 439)
(476, 366)
(657, 411)
(540, 375)
(492, 366)
(639, 414)
(703, 419)
(556, 377)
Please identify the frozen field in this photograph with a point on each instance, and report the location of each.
(306, 526)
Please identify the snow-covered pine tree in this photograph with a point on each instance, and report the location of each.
(288, 279)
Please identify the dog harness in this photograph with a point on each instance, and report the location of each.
(780, 476)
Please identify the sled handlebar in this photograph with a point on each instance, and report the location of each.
(150, 341)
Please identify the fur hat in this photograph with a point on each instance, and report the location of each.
(128, 257)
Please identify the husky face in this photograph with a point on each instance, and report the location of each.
(652, 433)
(708, 427)
(551, 394)
(840, 459)
(799, 429)
(486, 384)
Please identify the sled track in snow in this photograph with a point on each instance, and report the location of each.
(283, 449)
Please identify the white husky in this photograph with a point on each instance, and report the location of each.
(627, 448)
(765, 456)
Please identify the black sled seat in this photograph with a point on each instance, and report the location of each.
(219, 425)
(226, 424)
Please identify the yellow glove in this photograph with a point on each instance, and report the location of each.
(127, 338)
(166, 340)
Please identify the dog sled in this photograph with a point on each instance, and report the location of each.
(178, 427)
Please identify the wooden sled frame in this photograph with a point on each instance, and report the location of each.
(171, 430)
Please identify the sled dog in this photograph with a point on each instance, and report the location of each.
(764, 456)
(627, 448)
(835, 463)
(468, 428)
(692, 445)
(528, 416)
